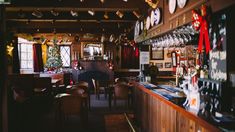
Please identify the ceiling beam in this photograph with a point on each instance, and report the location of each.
(120, 4)
(69, 20)
(10, 9)
(66, 30)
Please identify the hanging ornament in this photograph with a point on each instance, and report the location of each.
(196, 20)
(152, 3)
(200, 23)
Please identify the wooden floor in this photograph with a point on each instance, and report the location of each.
(44, 120)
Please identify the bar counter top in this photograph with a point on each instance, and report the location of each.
(164, 115)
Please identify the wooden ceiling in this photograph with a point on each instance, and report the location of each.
(55, 16)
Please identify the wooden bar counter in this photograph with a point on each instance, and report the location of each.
(154, 113)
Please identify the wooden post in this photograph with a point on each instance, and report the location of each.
(3, 73)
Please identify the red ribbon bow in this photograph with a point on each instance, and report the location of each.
(200, 23)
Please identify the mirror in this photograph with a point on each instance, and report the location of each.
(92, 50)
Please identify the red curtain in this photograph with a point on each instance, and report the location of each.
(37, 58)
(16, 60)
(130, 57)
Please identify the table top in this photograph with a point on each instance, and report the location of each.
(54, 81)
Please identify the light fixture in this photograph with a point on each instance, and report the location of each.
(102, 1)
(119, 14)
(27, 22)
(125, 0)
(102, 38)
(81, 0)
(37, 13)
(54, 13)
(118, 25)
(53, 21)
(111, 38)
(54, 31)
(21, 14)
(136, 14)
(106, 15)
(74, 13)
(91, 12)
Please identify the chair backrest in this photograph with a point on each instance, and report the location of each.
(121, 91)
(102, 83)
(67, 77)
(22, 85)
(76, 91)
(71, 105)
(43, 82)
(94, 83)
(83, 85)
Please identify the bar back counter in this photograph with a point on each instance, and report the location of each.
(154, 113)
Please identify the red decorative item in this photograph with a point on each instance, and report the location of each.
(200, 23)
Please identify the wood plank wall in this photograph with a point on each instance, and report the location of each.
(155, 114)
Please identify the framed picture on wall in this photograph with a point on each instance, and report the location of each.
(156, 54)
(159, 65)
(168, 65)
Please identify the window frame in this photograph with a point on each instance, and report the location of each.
(20, 56)
(63, 45)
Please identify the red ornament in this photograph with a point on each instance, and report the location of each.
(196, 20)
(200, 23)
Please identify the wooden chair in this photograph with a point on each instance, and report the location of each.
(72, 105)
(21, 101)
(94, 82)
(84, 85)
(121, 92)
(22, 86)
(42, 86)
(100, 85)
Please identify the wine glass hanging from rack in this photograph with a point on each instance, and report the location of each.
(177, 38)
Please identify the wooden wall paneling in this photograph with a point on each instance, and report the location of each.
(182, 123)
(155, 114)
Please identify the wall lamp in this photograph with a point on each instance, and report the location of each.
(106, 15)
(37, 13)
(119, 14)
(54, 13)
(74, 13)
(91, 12)
(136, 14)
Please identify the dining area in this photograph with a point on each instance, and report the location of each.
(37, 98)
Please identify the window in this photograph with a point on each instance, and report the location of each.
(65, 55)
(26, 56)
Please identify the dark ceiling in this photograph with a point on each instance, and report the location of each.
(55, 16)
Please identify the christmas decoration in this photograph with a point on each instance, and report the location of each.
(54, 61)
(200, 23)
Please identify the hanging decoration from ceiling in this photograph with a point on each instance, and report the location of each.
(200, 23)
(152, 3)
